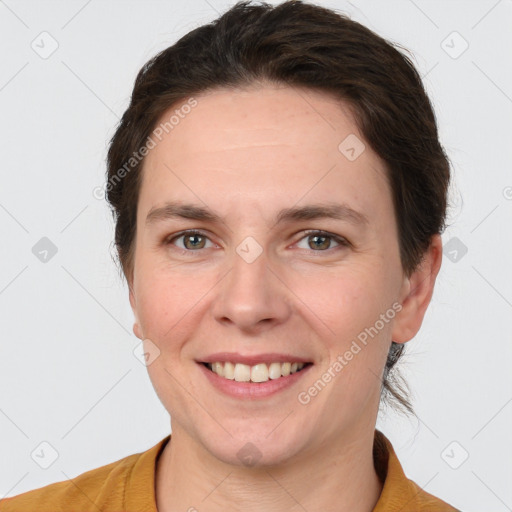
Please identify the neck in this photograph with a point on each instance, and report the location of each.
(337, 477)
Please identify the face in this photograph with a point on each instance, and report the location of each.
(269, 275)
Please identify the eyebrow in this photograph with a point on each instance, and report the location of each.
(174, 209)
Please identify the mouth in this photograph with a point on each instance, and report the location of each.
(253, 382)
(258, 373)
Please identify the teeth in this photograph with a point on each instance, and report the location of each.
(257, 373)
(242, 373)
(274, 371)
(218, 368)
(229, 370)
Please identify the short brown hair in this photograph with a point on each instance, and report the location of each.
(303, 45)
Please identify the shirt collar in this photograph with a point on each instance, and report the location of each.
(398, 492)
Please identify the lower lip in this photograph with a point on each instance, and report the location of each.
(253, 390)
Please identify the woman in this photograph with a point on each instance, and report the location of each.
(279, 192)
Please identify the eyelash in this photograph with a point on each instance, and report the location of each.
(340, 240)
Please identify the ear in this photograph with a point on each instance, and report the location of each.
(133, 303)
(416, 293)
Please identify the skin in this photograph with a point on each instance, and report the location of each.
(246, 154)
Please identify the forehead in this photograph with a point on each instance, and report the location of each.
(259, 117)
(263, 144)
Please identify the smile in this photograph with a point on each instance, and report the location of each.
(257, 373)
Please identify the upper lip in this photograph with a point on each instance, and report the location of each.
(251, 360)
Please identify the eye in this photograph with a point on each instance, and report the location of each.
(320, 241)
(191, 240)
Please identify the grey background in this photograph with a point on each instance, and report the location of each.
(68, 374)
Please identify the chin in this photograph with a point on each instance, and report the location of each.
(254, 447)
(252, 455)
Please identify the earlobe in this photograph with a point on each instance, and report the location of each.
(419, 288)
(137, 331)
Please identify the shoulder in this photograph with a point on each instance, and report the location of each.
(87, 491)
(400, 492)
(103, 488)
(426, 502)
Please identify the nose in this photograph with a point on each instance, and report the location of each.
(252, 296)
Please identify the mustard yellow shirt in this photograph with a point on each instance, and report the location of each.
(128, 485)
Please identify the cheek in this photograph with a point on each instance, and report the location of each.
(344, 301)
(358, 341)
(169, 301)
(347, 309)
